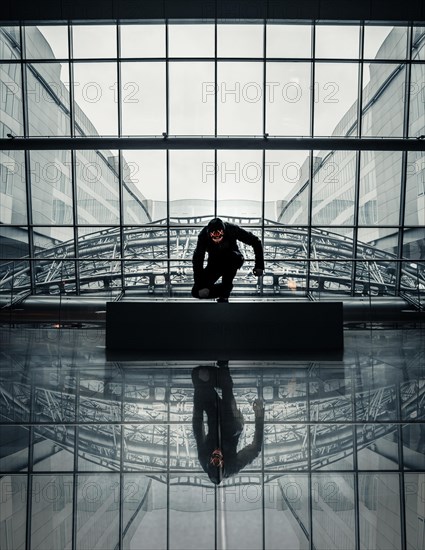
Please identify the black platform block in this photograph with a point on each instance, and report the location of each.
(243, 330)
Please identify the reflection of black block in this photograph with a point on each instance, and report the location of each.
(224, 331)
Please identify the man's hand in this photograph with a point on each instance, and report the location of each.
(258, 407)
(258, 272)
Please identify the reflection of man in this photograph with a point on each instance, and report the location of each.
(219, 239)
(217, 449)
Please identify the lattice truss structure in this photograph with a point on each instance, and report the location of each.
(157, 260)
(143, 423)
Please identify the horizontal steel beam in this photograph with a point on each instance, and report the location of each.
(64, 10)
(219, 143)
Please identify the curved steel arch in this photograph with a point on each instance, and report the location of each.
(157, 260)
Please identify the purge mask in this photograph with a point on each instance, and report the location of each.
(217, 235)
(217, 458)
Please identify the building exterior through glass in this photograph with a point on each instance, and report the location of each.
(102, 454)
(334, 221)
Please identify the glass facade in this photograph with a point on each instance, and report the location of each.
(95, 220)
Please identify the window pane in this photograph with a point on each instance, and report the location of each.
(15, 444)
(286, 186)
(48, 99)
(150, 533)
(379, 496)
(418, 43)
(13, 243)
(146, 40)
(414, 487)
(14, 508)
(288, 40)
(239, 184)
(337, 41)
(288, 94)
(191, 184)
(287, 498)
(417, 101)
(385, 42)
(11, 100)
(10, 43)
(94, 41)
(333, 512)
(383, 100)
(335, 455)
(415, 189)
(97, 187)
(380, 185)
(143, 98)
(377, 447)
(46, 42)
(145, 192)
(240, 40)
(191, 98)
(191, 40)
(335, 96)
(184, 532)
(333, 187)
(51, 498)
(95, 89)
(240, 98)
(98, 511)
(13, 195)
(51, 187)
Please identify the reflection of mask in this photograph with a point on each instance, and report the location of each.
(217, 458)
(217, 235)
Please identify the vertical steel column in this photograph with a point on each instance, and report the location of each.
(355, 462)
(358, 161)
(29, 473)
(263, 176)
(120, 162)
(121, 474)
(170, 381)
(215, 115)
(75, 475)
(167, 129)
(404, 162)
(27, 162)
(401, 471)
(73, 160)
(309, 483)
(310, 188)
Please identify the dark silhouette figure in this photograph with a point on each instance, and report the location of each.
(219, 240)
(217, 449)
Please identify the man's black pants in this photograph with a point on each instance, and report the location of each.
(224, 266)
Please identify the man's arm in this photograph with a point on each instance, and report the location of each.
(246, 455)
(199, 256)
(249, 238)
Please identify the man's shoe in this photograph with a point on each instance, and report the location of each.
(204, 293)
(222, 300)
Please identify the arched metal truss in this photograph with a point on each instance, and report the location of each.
(157, 260)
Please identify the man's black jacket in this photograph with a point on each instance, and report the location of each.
(232, 234)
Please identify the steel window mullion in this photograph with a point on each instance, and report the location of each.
(355, 463)
(120, 160)
(73, 160)
(309, 472)
(310, 191)
(27, 162)
(358, 162)
(215, 117)
(30, 469)
(404, 161)
(167, 124)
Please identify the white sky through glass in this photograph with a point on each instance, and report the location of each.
(191, 93)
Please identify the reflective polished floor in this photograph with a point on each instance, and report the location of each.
(139, 455)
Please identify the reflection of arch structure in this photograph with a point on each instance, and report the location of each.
(148, 269)
(157, 414)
